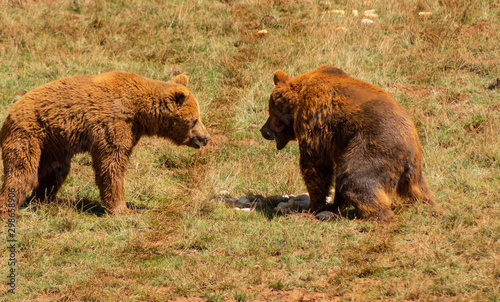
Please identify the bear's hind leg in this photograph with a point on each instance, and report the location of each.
(378, 209)
(413, 184)
(367, 196)
(339, 202)
(420, 190)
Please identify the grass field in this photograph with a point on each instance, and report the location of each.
(189, 246)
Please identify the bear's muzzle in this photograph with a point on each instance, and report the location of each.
(267, 131)
(198, 142)
(199, 136)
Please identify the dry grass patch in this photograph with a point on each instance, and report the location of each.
(188, 246)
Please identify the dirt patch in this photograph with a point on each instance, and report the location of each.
(360, 287)
(189, 299)
(295, 295)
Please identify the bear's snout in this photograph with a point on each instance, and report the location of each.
(199, 136)
(199, 141)
(267, 134)
(267, 131)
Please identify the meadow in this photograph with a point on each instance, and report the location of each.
(440, 59)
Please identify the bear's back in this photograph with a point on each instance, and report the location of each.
(88, 89)
(69, 107)
(355, 106)
(336, 84)
(328, 86)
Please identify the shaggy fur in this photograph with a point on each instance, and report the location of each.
(350, 132)
(105, 115)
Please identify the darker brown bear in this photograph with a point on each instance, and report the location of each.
(105, 115)
(351, 132)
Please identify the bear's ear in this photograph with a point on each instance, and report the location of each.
(181, 95)
(280, 77)
(181, 79)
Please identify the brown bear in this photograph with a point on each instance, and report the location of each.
(348, 131)
(105, 115)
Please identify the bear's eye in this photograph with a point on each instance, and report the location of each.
(195, 122)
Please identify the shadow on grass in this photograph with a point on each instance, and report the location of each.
(267, 207)
(81, 205)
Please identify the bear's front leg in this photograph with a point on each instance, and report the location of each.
(317, 172)
(109, 168)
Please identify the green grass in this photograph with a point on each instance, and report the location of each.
(186, 243)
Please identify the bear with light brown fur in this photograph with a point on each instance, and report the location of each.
(351, 133)
(104, 115)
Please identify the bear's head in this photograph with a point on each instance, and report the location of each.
(279, 125)
(184, 126)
